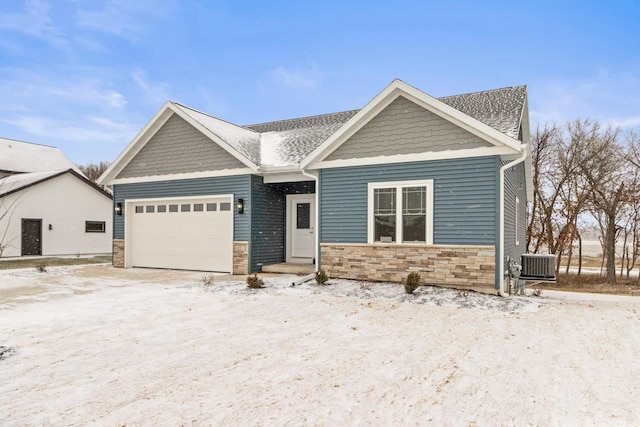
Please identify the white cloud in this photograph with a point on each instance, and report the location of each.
(611, 98)
(34, 21)
(304, 79)
(85, 129)
(122, 18)
(56, 105)
(155, 93)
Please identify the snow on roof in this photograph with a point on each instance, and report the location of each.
(21, 180)
(287, 142)
(245, 141)
(499, 108)
(18, 156)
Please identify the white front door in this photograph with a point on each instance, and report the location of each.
(301, 216)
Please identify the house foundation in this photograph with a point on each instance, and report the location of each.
(240, 257)
(460, 267)
(118, 253)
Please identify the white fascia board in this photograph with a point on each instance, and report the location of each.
(215, 138)
(179, 176)
(352, 125)
(275, 178)
(389, 94)
(419, 157)
(457, 117)
(136, 144)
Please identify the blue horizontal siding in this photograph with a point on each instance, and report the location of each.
(464, 199)
(267, 224)
(238, 185)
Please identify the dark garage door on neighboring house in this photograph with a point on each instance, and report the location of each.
(31, 237)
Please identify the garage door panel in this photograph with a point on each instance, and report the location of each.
(191, 240)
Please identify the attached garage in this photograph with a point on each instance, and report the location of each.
(180, 233)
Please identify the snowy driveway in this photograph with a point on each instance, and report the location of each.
(95, 345)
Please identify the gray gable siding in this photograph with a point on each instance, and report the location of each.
(239, 186)
(514, 186)
(464, 199)
(267, 224)
(178, 147)
(404, 127)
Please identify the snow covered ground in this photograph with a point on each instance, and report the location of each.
(94, 345)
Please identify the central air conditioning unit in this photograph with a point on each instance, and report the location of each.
(538, 267)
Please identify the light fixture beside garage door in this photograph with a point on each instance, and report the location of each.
(240, 206)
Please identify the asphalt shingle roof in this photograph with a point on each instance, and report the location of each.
(287, 142)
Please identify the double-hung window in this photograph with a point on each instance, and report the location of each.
(401, 212)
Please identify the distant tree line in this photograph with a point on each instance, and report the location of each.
(584, 172)
(93, 170)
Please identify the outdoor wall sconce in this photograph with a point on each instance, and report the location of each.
(240, 206)
(118, 209)
(50, 227)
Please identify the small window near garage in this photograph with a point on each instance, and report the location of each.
(162, 208)
(173, 208)
(198, 207)
(139, 209)
(151, 209)
(212, 207)
(185, 208)
(95, 226)
(225, 206)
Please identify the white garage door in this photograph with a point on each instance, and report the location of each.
(189, 234)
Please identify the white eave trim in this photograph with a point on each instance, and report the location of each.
(136, 144)
(418, 157)
(179, 176)
(150, 129)
(215, 138)
(387, 96)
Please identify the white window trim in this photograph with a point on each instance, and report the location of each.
(398, 185)
(517, 220)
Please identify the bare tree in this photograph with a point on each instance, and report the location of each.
(602, 166)
(539, 229)
(6, 213)
(94, 170)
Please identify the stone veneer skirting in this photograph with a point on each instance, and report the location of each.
(456, 266)
(240, 257)
(118, 253)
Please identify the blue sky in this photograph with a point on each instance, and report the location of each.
(86, 76)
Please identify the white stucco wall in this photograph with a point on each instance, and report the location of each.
(66, 203)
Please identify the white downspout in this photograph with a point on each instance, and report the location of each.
(501, 232)
(316, 231)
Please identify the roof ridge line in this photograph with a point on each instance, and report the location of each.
(27, 142)
(300, 118)
(481, 91)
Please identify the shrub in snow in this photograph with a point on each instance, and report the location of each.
(321, 277)
(254, 282)
(6, 352)
(207, 278)
(412, 282)
(41, 267)
(537, 292)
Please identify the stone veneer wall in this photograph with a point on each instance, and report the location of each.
(240, 257)
(118, 253)
(455, 266)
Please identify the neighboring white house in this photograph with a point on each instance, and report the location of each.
(47, 206)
